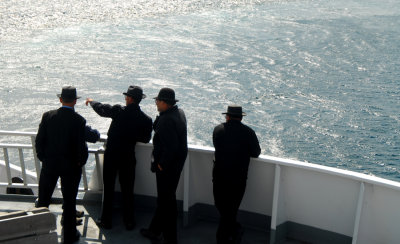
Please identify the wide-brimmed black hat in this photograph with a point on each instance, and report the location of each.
(167, 95)
(235, 110)
(68, 93)
(135, 92)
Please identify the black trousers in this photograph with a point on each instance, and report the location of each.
(125, 168)
(228, 195)
(69, 188)
(165, 218)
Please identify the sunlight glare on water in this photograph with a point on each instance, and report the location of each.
(319, 80)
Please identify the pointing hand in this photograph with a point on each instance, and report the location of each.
(88, 100)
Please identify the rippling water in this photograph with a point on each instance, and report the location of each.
(319, 80)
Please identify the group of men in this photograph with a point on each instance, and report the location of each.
(62, 149)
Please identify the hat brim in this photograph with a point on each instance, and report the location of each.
(126, 94)
(165, 99)
(243, 114)
(59, 96)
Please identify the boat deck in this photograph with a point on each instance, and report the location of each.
(202, 232)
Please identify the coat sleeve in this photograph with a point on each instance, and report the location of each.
(81, 143)
(106, 110)
(40, 141)
(170, 143)
(255, 149)
(145, 133)
(216, 131)
(91, 135)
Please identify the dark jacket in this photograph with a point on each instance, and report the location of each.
(170, 139)
(60, 141)
(128, 126)
(234, 144)
(91, 135)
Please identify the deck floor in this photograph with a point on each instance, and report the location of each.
(202, 232)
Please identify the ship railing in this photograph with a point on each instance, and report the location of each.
(28, 175)
(327, 201)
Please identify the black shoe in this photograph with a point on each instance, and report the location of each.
(79, 214)
(130, 225)
(103, 224)
(78, 221)
(150, 235)
(72, 239)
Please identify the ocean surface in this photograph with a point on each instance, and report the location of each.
(319, 80)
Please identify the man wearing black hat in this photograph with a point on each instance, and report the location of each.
(60, 145)
(129, 125)
(234, 144)
(169, 155)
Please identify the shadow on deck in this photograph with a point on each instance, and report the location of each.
(202, 231)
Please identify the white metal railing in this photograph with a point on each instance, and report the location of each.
(23, 147)
(286, 190)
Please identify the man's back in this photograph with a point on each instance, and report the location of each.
(234, 144)
(129, 125)
(60, 142)
(170, 138)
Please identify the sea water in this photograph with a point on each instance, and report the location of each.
(319, 80)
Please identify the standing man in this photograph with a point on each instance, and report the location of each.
(60, 145)
(129, 125)
(169, 155)
(234, 144)
(91, 135)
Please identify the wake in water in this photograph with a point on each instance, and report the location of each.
(319, 80)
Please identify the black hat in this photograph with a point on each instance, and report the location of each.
(135, 92)
(68, 93)
(167, 95)
(235, 110)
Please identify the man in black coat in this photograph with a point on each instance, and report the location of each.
(234, 144)
(60, 145)
(169, 155)
(129, 125)
(91, 135)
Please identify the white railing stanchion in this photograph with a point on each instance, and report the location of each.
(23, 168)
(85, 182)
(35, 158)
(98, 168)
(186, 190)
(275, 197)
(358, 213)
(275, 202)
(7, 162)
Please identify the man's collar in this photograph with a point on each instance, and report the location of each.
(174, 107)
(68, 107)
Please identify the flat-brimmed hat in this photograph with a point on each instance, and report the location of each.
(235, 110)
(135, 92)
(68, 93)
(167, 95)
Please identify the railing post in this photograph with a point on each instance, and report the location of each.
(21, 160)
(275, 203)
(358, 213)
(186, 190)
(98, 168)
(85, 183)
(7, 162)
(35, 158)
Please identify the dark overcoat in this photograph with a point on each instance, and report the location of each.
(170, 139)
(60, 141)
(129, 125)
(234, 144)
